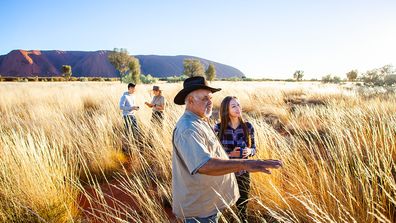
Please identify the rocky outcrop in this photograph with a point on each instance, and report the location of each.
(23, 63)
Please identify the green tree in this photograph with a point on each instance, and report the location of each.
(386, 70)
(148, 79)
(193, 67)
(327, 79)
(298, 75)
(210, 72)
(378, 76)
(373, 77)
(352, 75)
(134, 70)
(66, 71)
(337, 80)
(120, 59)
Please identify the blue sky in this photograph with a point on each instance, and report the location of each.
(261, 38)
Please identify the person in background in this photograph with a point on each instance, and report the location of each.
(203, 179)
(128, 107)
(158, 106)
(237, 139)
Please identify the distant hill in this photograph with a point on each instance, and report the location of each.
(23, 63)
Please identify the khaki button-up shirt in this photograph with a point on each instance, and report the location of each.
(195, 194)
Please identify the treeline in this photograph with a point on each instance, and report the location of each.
(383, 76)
(145, 79)
(55, 79)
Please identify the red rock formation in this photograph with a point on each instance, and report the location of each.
(22, 63)
(19, 63)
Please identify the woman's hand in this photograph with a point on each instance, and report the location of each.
(246, 152)
(235, 153)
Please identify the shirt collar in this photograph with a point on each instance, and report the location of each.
(239, 126)
(192, 115)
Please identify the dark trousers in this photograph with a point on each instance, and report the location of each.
(131, 126)
(157, 117)
(244, 188)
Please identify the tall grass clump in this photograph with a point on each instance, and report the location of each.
(36, 180)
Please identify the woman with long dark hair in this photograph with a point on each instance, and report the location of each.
(237, 138)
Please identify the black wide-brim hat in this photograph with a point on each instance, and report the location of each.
(192, 84)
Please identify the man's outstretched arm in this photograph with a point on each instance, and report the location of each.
(217, 167)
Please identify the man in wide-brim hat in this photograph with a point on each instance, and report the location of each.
(203, 181)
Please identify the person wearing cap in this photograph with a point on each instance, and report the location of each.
(158, 106)
(203, 180)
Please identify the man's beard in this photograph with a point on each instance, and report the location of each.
(208, 112)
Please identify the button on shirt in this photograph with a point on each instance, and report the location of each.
(195, 194)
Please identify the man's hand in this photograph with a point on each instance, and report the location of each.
(262, 165)
(235, 153)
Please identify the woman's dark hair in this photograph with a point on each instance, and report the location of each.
(225, 119)
(131, 85)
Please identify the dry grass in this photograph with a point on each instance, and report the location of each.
(61, 141)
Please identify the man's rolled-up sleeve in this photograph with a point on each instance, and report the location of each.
(192, 149)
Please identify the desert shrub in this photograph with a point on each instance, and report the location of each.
(390, 80)
(233, 79)
(95, 79)
(19, 79)
(9, 79)
(247, 79)
(373, 78)
(84, 79)
(376, 91)
(175, 79)
(336, 79)
(331, 79)
(385, 75)
(148, 79)
(73, 79)
(56, 79)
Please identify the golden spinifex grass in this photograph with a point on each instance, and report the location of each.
(61, 141)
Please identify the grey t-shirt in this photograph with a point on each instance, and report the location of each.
(157, 100)
(195, 194)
